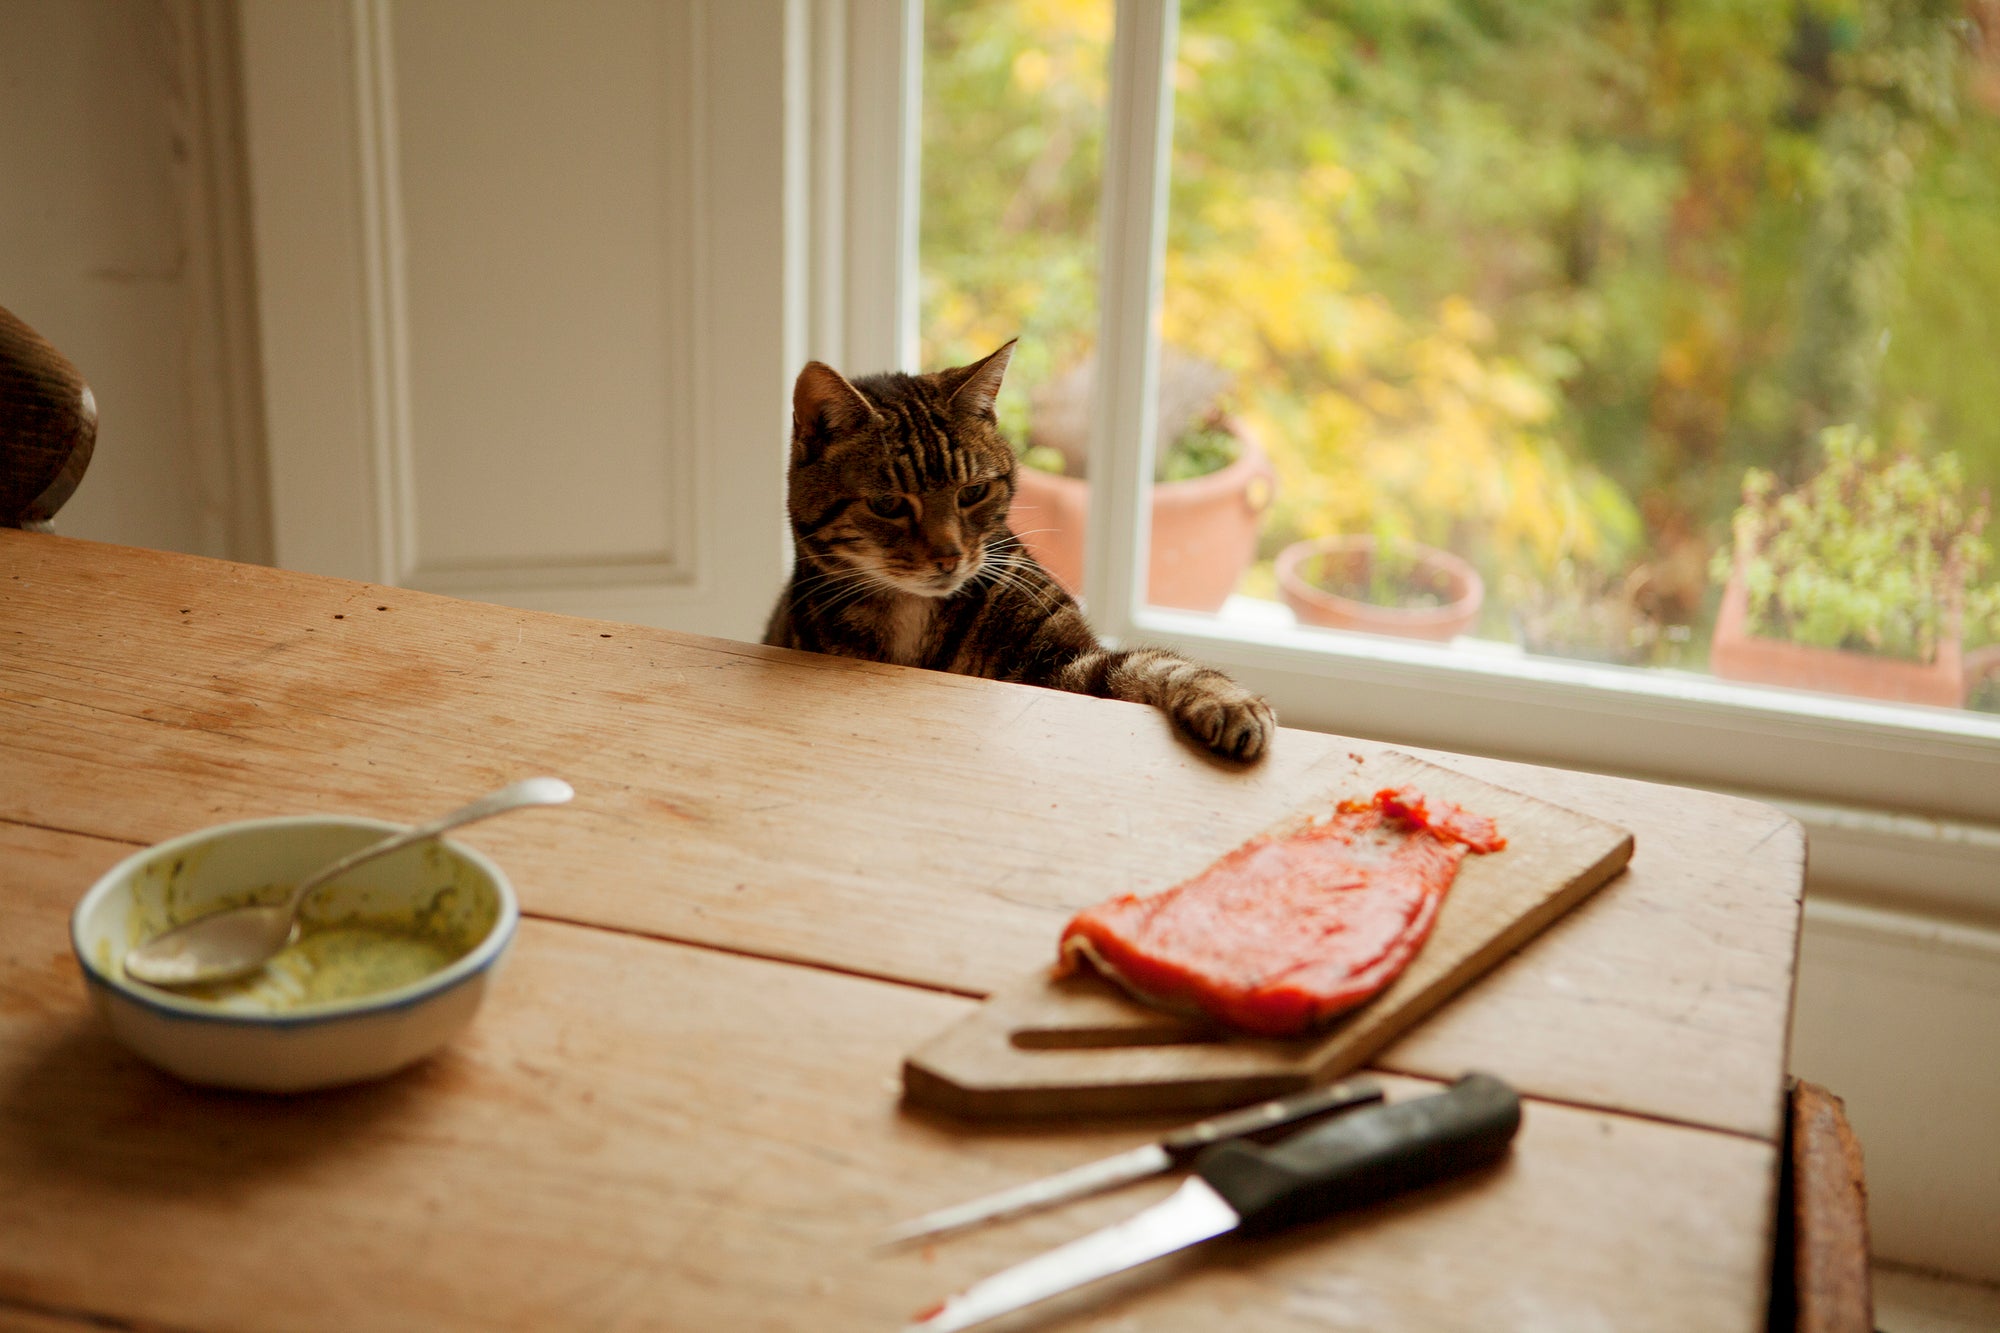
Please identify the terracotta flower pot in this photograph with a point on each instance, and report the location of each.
(1204, 529)
(1461, 587)
(1736, 654)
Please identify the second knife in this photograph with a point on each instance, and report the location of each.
(1255, 1123)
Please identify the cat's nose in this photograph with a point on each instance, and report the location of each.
(947, 561)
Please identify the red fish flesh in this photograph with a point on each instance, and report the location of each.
(1283, 934)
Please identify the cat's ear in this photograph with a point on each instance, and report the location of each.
(823, 402)
(979, 383)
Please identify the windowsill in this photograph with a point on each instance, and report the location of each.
(1271, 625)
(1901, 804)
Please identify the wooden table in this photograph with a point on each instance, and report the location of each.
(679, 1108)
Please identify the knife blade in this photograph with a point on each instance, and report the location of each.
(1259, 1122)
(1237, 1186)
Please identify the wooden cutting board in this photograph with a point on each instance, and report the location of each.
(1079, 1046)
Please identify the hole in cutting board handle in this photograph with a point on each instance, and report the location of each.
(1167, 1032)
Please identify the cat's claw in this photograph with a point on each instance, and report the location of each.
(1236, 726)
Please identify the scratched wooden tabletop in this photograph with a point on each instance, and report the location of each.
(679, 1107)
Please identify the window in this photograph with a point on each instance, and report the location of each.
(1538, 309)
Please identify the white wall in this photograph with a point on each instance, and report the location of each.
(530, 303)
(112, 227)
(1900, 1016)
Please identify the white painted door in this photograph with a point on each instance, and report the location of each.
(529, 303)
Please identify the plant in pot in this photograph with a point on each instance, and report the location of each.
(1862, 581)
(1580, 611)
(1382, 582)
(1212, 484)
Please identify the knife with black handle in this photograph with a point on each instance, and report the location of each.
(1354, 1160)
(1259, 1123)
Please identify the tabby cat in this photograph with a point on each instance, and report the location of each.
(899, 488)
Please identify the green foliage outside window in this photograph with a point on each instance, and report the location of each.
(1536, 280)
(1876, 553)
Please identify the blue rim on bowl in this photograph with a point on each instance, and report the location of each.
(460, 970)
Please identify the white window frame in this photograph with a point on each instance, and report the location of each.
(860, 159)
(1902, 804)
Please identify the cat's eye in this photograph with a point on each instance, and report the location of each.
(973, 494)
(888, 506)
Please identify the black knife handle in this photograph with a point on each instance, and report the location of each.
(1267, 1120)
(1365, 1156)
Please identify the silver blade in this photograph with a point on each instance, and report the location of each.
(1147, 1160)
(1194, 1213)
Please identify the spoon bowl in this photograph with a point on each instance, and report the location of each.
(237, 941)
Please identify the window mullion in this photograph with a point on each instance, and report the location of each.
(866, 112)
(1132, 258)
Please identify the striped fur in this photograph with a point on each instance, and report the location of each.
(899, 489)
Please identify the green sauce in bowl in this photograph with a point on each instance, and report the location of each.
(329, 963)
(368, 948)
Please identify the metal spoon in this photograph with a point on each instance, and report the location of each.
(237, 941)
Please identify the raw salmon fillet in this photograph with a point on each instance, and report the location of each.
(1282, 934)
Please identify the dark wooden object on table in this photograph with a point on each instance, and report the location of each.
(48, 426)
(1821, 1282)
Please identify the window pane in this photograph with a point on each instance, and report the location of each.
(1542, 310)
(1013, 154)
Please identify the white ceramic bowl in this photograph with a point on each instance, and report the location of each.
(315, 1046)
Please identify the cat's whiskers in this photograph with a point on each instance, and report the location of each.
(863, 588)
(1009, 570)
(1015, 559)
(835, 590)
(849, 570)
(893, 584)
(812, 581)
(830, 582)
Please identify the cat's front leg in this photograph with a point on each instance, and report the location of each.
(1230, 720)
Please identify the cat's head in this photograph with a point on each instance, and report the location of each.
(901, 480)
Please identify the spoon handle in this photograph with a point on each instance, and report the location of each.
(528, 791)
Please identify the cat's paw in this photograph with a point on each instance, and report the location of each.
(1228, 719)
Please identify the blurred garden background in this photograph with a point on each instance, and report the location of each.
(1542, 283)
